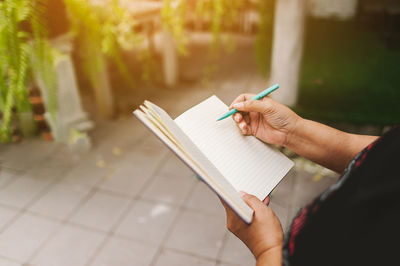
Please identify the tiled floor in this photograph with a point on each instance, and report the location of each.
(145, 208)
(128, 201)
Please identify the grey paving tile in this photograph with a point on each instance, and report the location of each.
(90, 171)
(3, 148)
(236, 252)
(172, 183)
(137, 165)
(197, 233)
(121, 132)
(46, 173)
(63, 157)
(129, 177)
(16, 157)
(174, 166)
(22, 239)
(104, 128)
(306, 188)
(281, 212)
(6, 176)
(230, 264)
(60, 200)
(150, 147)
(110, 153)
(120, 252)
(21, 192)
(283, 193)
(6, 262)
(147, 222)
(205, 200)
(292, 212)
(101, 211)
(70, 246)
(6, 215)
(169, 257)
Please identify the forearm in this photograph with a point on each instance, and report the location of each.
(272, 257)
(324, 145)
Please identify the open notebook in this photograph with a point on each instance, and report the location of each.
(224, 159)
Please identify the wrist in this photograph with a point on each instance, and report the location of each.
(294, 132)
(272, 256)
(269, 247)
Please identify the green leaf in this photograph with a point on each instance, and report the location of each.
(23, 10)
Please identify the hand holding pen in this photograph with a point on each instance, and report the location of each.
(266, 119)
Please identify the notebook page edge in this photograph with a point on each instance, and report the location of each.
(162, 127)
(244, 211)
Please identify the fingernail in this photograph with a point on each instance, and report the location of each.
(238, 105)
(236, 117)
(241, 125)
(241, 193)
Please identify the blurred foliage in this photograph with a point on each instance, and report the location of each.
(222, 16)
(101, 31)
(221, 13)
(173, 18)
(13, 68)
(349, 74)
(264, 36)
(22, 51)
(109, 27)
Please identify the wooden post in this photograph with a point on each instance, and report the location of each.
(287, 48)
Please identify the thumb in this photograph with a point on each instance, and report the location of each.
(252, 201)
(253, 106)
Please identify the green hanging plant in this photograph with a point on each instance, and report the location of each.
(14, 52)
(18, 47)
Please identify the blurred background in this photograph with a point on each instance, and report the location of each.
(81, 180)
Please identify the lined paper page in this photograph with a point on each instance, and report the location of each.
(247, 163)
(195, 159)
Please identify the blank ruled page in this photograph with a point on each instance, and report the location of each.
(247, 163)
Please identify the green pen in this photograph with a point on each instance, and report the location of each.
(257, 97)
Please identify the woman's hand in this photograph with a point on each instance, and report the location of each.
(264, 236)
(266, 119)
